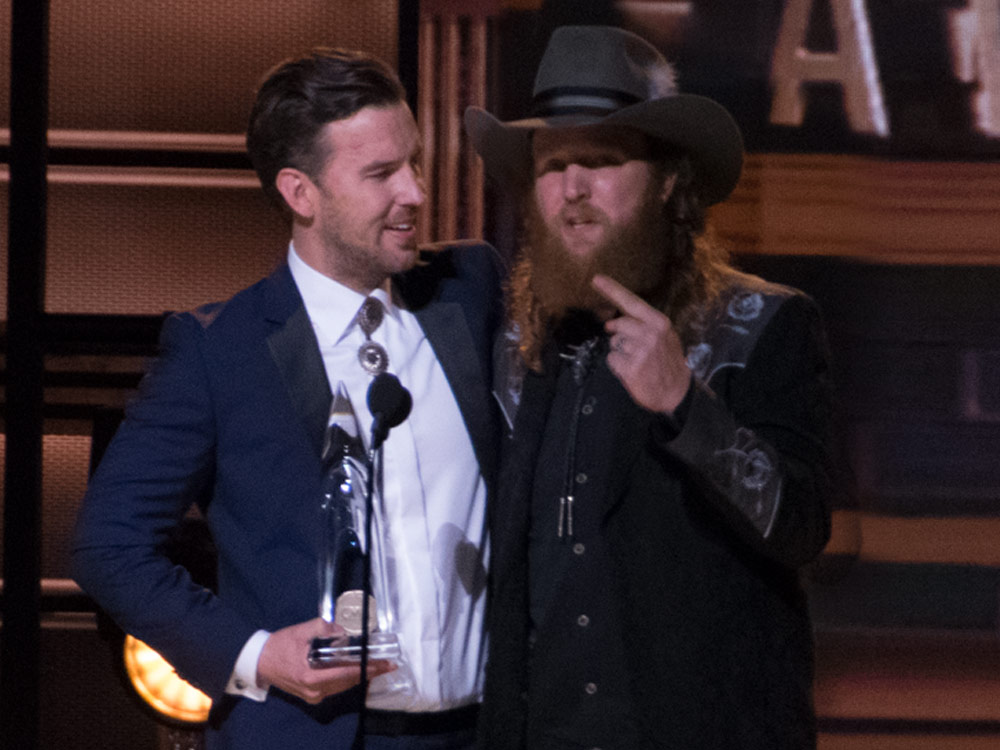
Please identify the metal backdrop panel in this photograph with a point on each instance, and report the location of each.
(185, 65)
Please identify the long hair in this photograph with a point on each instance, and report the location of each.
(300, 96)
(696, 266)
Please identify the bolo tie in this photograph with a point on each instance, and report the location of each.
(371, 355)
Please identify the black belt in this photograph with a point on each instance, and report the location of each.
(396, 723)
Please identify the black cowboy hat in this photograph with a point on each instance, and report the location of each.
(605, 75)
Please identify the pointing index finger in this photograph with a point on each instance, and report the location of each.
(627, 302)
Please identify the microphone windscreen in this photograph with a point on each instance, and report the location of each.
(387, 397)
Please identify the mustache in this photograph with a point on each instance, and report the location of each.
(582, 212)
(407, 216)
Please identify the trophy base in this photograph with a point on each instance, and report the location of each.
(346, 650)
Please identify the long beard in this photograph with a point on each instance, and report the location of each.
(634, 255)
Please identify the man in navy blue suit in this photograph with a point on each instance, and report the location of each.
(232, 416)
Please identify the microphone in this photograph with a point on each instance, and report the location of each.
(390, 403)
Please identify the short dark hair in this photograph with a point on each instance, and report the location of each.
(298, 97)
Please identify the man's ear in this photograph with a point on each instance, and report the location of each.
(668, 186)
(297, 190)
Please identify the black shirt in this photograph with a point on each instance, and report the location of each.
(578, 689)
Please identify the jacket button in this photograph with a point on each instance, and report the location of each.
(578, 548)
(590, 688)
(583, 621)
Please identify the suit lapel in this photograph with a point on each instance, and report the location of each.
(511, 513)
(296, 353)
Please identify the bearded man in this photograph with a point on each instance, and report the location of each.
(668, 469)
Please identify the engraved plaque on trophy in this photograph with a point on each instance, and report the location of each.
(343, 546)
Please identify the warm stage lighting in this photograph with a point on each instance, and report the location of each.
(157, 683)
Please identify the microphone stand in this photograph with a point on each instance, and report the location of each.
(390, 403)
(373, 462)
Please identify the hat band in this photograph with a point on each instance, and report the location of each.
(580, 100)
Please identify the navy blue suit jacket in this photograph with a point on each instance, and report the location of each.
(231, 416)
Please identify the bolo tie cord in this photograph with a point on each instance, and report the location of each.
(581, 363)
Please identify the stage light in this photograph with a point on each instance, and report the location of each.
(160, 687)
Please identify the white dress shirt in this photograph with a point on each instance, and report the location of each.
(433, 496)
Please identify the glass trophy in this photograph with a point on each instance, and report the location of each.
(343, 546)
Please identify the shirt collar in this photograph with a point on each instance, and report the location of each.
(329, 303)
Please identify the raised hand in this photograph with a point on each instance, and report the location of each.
(646, 354)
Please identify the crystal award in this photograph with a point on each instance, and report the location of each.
(343, 546)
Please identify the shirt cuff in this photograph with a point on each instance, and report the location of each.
(243, 680)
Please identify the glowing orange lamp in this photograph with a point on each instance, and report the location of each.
(158, 685)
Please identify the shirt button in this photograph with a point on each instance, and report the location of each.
(590, 688)
(581, 478)
(578, 548)
(583, 621)
(240, 685)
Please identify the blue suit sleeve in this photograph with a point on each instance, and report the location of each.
(161, 460)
